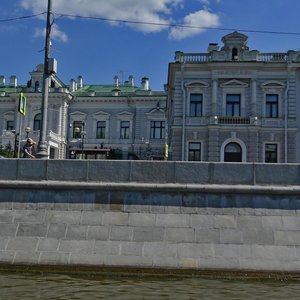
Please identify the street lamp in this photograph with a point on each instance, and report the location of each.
(76, 131)
(27, 130)
(42, 145)
(16, 151)
(82, 133)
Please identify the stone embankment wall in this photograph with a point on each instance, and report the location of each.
(202, 216)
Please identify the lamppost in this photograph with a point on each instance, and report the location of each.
(77, 131)
(27, 130)
(16, 151)
(42, 145)
(82, 133)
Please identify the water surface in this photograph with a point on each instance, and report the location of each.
(64, 287)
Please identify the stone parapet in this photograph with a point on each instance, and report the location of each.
(150, 172)
(179, 225)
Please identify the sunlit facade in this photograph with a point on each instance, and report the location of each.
(234, 104)
(117, 120)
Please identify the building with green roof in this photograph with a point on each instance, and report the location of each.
(86, 121)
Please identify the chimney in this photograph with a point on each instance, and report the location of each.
(79, 82)
(116, 81)
(73, 85)
(13, 81)
(212, 47)
(2, 80)
(145, 83)
(131, 81)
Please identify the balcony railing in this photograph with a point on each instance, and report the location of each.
(271, 57)
(220, 56)
(233, 120)
(192, 57)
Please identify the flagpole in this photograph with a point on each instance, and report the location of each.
(42, 149)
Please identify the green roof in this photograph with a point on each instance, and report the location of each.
(105, 89)
(8, 89)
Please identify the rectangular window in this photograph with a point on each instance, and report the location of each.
(101, 126)
(271, 153)
(196, 105)
(124, 130)
(157, 130)
(77, 129)
(10, 125)
(272, 106)
(233, 105)
(194, 151)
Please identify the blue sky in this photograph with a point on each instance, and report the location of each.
(98, 50)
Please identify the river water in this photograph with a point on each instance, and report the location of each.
(64, 287)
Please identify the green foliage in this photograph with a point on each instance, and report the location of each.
(6, 151)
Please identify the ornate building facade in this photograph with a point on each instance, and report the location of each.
(117, 120)
(230, 104)
(234, 104)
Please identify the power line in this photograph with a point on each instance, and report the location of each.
(153, 24)
(21, 18)
(178, 25)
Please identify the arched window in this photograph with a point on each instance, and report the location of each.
(36, 86)
(37, 122)
(234, 54)
(233, 153)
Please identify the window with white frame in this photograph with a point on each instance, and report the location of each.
(271, 105)
(124, 129)
(157, 129)
(233, 105)
(194, 151)
(101, 128)
(196, 103)
(272, 98)
(271, 153)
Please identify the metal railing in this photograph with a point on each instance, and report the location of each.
(234, 120)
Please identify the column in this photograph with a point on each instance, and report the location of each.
(253, 97)
(214, 97)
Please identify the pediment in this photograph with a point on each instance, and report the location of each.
(196, 84)
(101, 114)
(156, 111)
(77, 114)
(9, 113)
(234, 83)
(273, 84)
(125, 114)
(235, 36)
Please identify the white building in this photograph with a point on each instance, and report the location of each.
(86, 121)
(234, 104)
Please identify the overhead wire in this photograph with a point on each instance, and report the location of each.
(177, 25)
(22, 17)
(61, 15)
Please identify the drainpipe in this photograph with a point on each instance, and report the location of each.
(286, 110)
(183, 111)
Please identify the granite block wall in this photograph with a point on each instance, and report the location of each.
(207, 224)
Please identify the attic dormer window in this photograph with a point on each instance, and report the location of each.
(234, 54)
